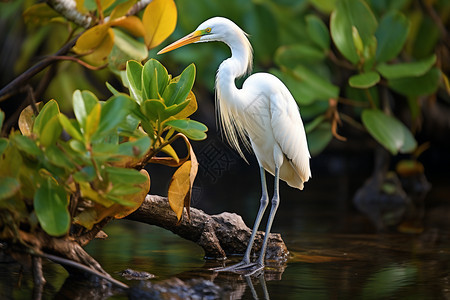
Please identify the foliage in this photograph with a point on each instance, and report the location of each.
(94, 170)
(369, 56)
(59, 172)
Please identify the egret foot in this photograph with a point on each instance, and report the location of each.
(244, 268)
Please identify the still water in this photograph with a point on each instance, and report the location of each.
(335, 253)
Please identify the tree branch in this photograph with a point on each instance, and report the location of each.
(218, 235)
(68, 8)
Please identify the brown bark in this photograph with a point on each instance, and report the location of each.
(219, 235)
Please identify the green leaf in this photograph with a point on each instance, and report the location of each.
(58, 157)
(298, 54)
(192, 129)
(154, 110)
(179, 88)
(349, 13)
(8, 187)
(112, 89)
(135, 148)
(51, 132)
(113, 113)
(318, 32)
(391, 35)
(25, 144)
(87, 174)
(3, 144)
(83, 103)
(410, 69)
(50, 204)
(154, 79)
(125, 176)
(417, 86)
(319, 137)
(126, 48)
(388, 131)
(70, 128)
(134, 77)
(49, 110)
(364, 80)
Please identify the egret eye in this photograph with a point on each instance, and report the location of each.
(208, 30)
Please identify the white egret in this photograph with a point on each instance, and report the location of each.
(263, 114)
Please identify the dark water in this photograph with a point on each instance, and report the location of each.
(335, 253)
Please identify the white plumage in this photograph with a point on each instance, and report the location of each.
(262, 114)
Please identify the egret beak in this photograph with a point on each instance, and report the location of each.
(188, 39)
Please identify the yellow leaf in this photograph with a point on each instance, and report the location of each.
(170, 151)
(89, 193)
(179, 188)
(137, 199)
(93, 120)
(105, 4)
(189, 109)
(159, 19)
(182, 182)
(91, 38)
(100, 55)
(121, 9)
(132, 24)
(26, 120)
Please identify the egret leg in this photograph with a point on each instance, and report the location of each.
(273, 210)
(245, 263)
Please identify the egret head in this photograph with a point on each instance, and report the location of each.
(214, 29)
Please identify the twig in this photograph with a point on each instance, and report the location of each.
(140, 5)
(79, 61)
(20, 80)
(70, 263)
(38, 277)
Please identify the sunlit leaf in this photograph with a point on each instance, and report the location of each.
(364, 80)
(179, 188)
(192, 129)
(132, 24)
(154, 79)
(99, 56)
(112, 89)
(92, 121)
(391, 35)
(159, 19)
(51, 207)
(8, 187)
(83, 103)
(51, 131)
(26, 120)
(91, 38)
(189, 109)
(134, 77)
(170, 151)
(49, 110)
(69, 128)
(349, 14)
(410, 69)
(58, 157)
(326, 6)
(388, 131)
(154, 110)
(177, 91)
